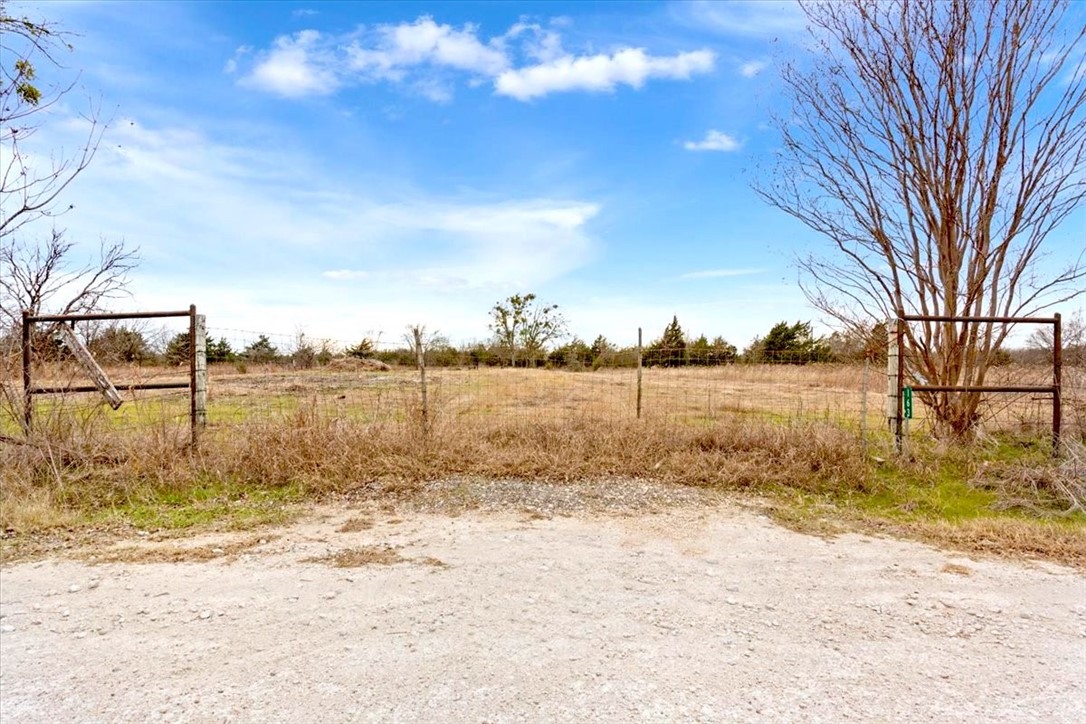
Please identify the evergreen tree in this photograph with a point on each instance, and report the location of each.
(262, 350)
(669, 350)
(362, 350)
(790, 343)
(118, 343)
(602, 352)
(177, 350)
(699, 352)
(722, 353)
(220, 351)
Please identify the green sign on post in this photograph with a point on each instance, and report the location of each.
(907, 402)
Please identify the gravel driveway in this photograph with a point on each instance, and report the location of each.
(683, 607)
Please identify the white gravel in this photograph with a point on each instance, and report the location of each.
(693, 613)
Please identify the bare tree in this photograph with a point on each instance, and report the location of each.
(31, 190)
(44, 276)
(1073, 338)
(936, 145)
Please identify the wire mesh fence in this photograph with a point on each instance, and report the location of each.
(476, 383)
(260, 377)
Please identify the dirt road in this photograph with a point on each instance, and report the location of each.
(695, 612)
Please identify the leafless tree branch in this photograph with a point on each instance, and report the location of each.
(936, 145)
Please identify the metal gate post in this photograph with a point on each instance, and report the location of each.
(28, 399)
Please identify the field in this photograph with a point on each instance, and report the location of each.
(810, 437)
(848, 396)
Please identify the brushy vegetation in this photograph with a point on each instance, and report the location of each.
(1004, 498)
(279, 439)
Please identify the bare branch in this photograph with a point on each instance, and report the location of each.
(936, 145)
(30, 188)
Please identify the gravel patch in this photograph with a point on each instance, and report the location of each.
(579, 606)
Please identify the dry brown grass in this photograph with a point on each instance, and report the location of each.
(375, 555)
(175, 551)
(758, 427)
(998, 537)
(355, 525)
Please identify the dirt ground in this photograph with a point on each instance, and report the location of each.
(689, 610)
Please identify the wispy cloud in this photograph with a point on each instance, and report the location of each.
(425, 56)
(267, 224)
(717, 274)
(346, 274)
(752, 68)
(759, 18)
(714, 141)
(600, 73)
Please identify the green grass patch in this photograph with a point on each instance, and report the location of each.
(210, 503)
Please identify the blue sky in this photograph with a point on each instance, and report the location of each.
(348, 169)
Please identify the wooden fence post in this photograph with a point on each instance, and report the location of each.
(863, 406)
(200, 389)
(420, 358)
(638, 373)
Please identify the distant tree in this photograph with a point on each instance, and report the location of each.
(790, 343)
(859, 343)
(698, 351)
(220, 351)
(177, 350)
(304, 355)
(117, 343)
(1001, 358)
(436, 350)
(670, 349)
(1073, 334)
(326, 352)
(363, 350)
(600, 350)
(702, 352)
(721, 353)
(521, 325)
(262, 350)
(575, 355)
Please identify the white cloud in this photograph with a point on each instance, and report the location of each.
(713, 141)
(424, 55)
(752, 68)
(600, 73)
(718, 273)
(296, 66)
(425, 42)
